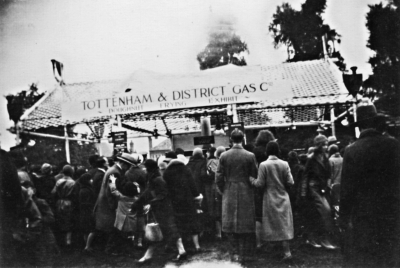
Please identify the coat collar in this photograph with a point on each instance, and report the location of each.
(175, 162)
(272, 157)
(237, 146)
(369, 133)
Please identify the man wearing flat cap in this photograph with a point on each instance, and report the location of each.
(106, 203)
(370, 196)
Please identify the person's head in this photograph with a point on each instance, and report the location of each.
(179, 151)
(198, 152)
(151, 165)
(333, 149)
(263, 137)
(68, 171)
(125, 160)
(170, 156)
(367, 117)
(92, 160)
(162, 166)
(303, 159)
(131, 189)
(101, 162)
(320, 144)
(219, 151)
(273, 148)
(211, 152)
(237, 136)
(85, 179)
(332, 140)
(46, 169)
(292, 157)
(61, 166)
(80, 170)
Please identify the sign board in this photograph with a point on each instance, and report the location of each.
(149, 91)
(120, 139)
(204, 140)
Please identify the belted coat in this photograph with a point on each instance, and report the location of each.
(233, 180)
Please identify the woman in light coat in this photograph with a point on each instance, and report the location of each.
(277, 219)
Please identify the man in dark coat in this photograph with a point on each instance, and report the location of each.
(106, 203)
(235, 168)
(44, 183)
(136, 173)
(101, 168)
(370, 196)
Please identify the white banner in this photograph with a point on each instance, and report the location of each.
(154, 92)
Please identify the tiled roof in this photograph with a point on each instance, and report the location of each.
(317, 82)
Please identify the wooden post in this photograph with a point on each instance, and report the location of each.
(357, 130)
(333, 122)
(67, 145)
(234, 113)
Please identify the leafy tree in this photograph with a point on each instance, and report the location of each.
(383, 23)
(224, 47)
(302, 31)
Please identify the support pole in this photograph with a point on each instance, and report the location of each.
(234, 114)
(357, 130)
(67, 145)
(333, 122)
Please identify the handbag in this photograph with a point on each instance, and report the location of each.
(152, 231)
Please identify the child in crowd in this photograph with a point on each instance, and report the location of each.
(126, 221)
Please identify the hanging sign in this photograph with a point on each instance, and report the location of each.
(120, 140)
(204, 140)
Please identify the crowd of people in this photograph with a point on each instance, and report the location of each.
(247, 195)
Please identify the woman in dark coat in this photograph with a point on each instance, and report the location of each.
(86, 205)
(198, 165)
(260, 152)
(155, 198)
(64, 193)
(185, 197)
(316, 176)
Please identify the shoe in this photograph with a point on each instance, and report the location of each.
(200, 250)
(327, 245)
(313, 243)
(180, 257)
(287, 258)
(88, 251)
(143, 262)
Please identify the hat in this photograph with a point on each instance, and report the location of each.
(45, 169)
(151, 164)
(332, 140)
(68, 170)
(127, 158)
(169, 156)
(320, 139)
(366, 114)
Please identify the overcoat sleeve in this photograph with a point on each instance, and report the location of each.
(347, 188)
(220, 175)
(289, 178)
(261, 179)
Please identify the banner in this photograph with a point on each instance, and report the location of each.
(155, 92)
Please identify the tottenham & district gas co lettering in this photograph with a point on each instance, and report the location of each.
(177, 98)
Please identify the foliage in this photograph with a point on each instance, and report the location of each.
(302, 31)
(383, 22)
(18, 103)
(224, 47)
(52, 151)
